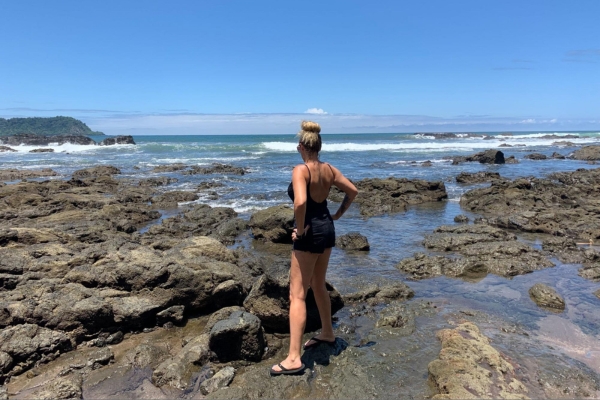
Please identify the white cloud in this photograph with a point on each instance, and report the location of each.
(528, 121)
(315, 111)
(553, 120)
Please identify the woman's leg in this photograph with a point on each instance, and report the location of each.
(322, 299)
(302, 267)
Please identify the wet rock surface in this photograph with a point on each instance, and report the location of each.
(128, 139)
(484, 249)
(545, 296)
(469, 367)
(484, 157)
(391, 195)
(564, 204)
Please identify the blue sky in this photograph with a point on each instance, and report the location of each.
(192, 67)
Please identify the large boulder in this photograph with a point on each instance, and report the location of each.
(238, 337)
(484, 157)
(273, 224)
(381, 294)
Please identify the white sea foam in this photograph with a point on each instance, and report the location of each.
(69, 148)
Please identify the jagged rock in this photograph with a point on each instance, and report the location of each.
(220, 380)
(511, 160)
(30, 139)
(239, 337)
(463, 367)
(391, 195)
(352, 241)
(477, 177)
(587, 153)
(176, 371)
(545, 296)
(485, 249)
(174, 197)
(484, 157)
(115, 338)
(6, 148)
(172, 314)
(169, 168)
(216, 168)
(102, 170)
(558, 156)
(461, 219)
(42, 150)
(15, 174)
(28, 344)
(536, 156)
(376, 294)
(117, 140)
(147, 355)
(426, 164)
(564, 204)
(62, 387)
(160, 181)
(274, 224)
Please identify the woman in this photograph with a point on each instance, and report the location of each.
(313, 238)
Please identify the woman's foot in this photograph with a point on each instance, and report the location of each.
(288, 367)
(320, 338)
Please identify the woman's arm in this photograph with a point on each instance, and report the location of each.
(299, 180)
(344, 184)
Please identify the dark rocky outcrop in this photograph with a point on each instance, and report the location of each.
(484, 157)
(109, 141)
(103, 170)
(42, 150)
(353, 241)
(238, 337)
(536, 156)
(391, 195)
(484, 250)
(545, 296)
(6, 148)
(586, 153)
(557, 156)
(216, 168)
(477, 177)
(39, 140)
(564, 204)
(160, 181)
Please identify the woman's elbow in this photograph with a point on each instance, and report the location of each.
(352, 193)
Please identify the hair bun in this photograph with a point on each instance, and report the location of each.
(309, 126)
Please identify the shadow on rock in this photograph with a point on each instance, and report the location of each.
(322, 353)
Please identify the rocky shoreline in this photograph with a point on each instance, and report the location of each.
(89, 268)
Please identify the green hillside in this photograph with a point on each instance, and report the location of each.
(45, 126)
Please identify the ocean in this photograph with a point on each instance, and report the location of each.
(269, 160)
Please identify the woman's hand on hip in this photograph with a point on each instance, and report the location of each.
(296, 236)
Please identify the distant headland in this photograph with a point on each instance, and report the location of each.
(53, 126)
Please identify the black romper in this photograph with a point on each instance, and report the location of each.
(321, 234)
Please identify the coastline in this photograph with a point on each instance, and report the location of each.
(76, 254)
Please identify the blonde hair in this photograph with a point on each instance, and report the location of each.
(310, 136)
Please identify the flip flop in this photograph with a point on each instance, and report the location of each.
(285, 371)
(317, 342)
